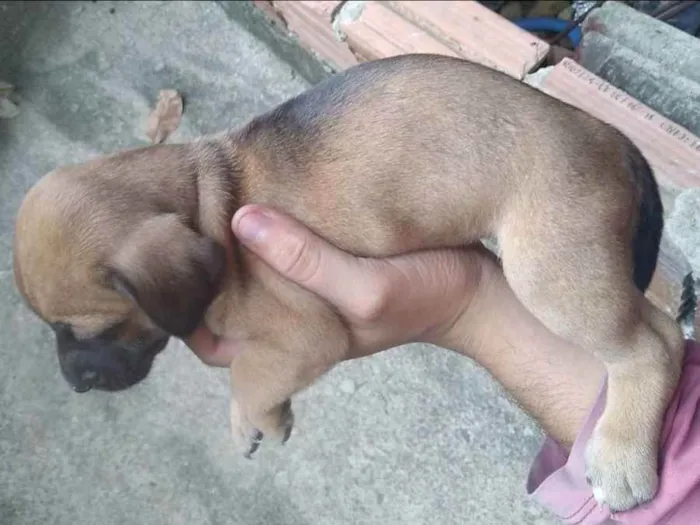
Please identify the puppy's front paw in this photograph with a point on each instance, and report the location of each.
(622, 472)
(249, 428)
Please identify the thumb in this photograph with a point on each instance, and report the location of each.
(303, 257)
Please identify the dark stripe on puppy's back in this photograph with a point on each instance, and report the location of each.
(650, 223)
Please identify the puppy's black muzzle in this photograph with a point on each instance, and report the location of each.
(102, 362)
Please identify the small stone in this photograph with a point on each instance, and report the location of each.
(281, 479)
(160, 66)
(102, 62)
(8, 109)
(347, 386)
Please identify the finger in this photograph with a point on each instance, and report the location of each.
(300, 255)
(210, 349)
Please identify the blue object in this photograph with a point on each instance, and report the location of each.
(550, 25)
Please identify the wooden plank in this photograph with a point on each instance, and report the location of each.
(477, 33)
(380, 33)
(311, 22)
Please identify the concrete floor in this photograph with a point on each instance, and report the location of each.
(415, 435)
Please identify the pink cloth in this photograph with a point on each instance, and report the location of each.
(558, 481)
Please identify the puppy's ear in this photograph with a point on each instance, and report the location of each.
(170, 271)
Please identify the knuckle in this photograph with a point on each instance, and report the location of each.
(300, 260)
(372, 307)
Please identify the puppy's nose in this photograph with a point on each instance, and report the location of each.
(88, 378)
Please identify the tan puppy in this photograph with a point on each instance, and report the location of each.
(391, 156)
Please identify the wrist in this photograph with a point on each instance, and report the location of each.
(466, 328)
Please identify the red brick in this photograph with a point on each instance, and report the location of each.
(466, 29)
(311, 23)
(477, 33)
(380, 33)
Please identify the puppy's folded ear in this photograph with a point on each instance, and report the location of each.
(170, 271)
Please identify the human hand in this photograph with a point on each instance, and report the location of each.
(457, 299)
(385, 302)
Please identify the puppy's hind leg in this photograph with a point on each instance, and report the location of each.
(621, 457)
(582, 289)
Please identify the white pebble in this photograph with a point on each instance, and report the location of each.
(348, 386)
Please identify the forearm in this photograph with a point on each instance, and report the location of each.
(553, 380)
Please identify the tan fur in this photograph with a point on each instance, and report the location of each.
(404, 154)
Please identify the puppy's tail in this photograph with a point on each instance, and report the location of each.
(650, 223)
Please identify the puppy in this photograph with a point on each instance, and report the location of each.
(413, 152)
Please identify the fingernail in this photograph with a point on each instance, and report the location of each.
(252, 227)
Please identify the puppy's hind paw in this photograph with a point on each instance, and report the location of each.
(249, 429)
(246, 437)
(286, 421)
(254, 443)
(622, 475)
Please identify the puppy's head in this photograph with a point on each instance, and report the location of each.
(108, 254)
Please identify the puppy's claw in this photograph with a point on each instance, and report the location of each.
(254, 444)
(246, 437)
(287, 434)
(287, 420)
(276, 425)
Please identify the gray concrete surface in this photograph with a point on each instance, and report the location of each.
(278, 39)
(414, 436)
